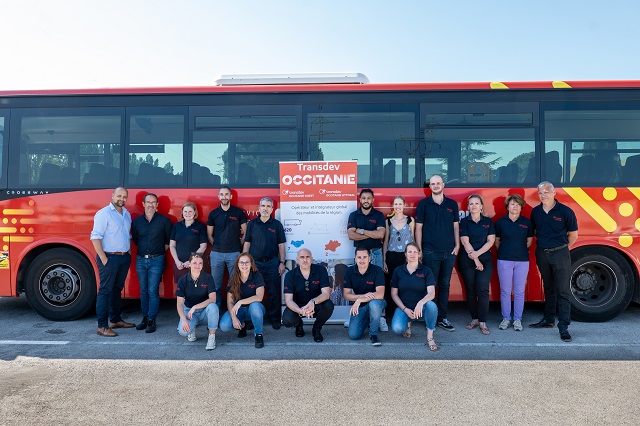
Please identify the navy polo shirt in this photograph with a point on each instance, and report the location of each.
(264, 238)
(363, 283)
(551, 228)
(294, 283)
(368, 222)
(513, 238)
(226, 228)
(437, 224)
(249, 287)
(412, 287)
(188, 240)
(477, 233)
(151, 236)
(195, 292)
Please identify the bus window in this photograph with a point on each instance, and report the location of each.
(156, 146)
(381, 142)
(69, 151)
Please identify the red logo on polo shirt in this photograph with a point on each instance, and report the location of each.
(420, 275)
(559, 219)
(195, 231)
(272, 230)
(449, 210)
(317, 282)
(204, 285)
(233, 217)
(372, 221)
(251, 285)
(370, 282)
(523, 226)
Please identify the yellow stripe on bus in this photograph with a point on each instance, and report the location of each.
(498, 85)
(14, 212)
(635, 191)
(560, 85)
(591, 207)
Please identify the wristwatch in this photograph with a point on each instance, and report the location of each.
(282, 262)
(313, 300)
(361, 232)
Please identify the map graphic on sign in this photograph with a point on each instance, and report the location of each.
(332, 245)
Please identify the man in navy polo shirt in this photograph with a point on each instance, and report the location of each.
(437, 233)
(225, 227)
(265, 241)
(556, 228)
(364, 287)
(306, 294)
(151, 233)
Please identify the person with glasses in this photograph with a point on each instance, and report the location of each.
(187, 236)
(245, 291)
(398, 233)
(196, 302)
(306, 295)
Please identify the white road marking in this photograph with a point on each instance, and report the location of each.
(34, 342)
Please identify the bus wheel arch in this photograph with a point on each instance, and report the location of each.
(60, 283)
(602, 284)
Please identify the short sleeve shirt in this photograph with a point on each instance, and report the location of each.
(551, 228)
(363, 283)
(226, 228)
(412, 287)
(294, 283)
(477, 233)
(368, 222)
(188, 239)
(265, 238)
(195, 292)
(513, 238)
(437, 224)
(251, 285)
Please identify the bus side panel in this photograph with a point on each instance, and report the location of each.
(7, 287)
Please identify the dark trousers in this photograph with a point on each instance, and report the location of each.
(555, 268)
(441, 264)
(273, 300)
(476, 284)
(323, 312)
(112, 278)
(393, 259)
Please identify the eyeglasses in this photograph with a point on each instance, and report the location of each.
(306, 285)
(244, 263)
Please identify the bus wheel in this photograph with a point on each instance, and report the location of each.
(601, 284)
(60, 285)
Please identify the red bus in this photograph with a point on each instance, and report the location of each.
(63, 152)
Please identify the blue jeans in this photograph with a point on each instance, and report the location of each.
(400, 321)
(210, 314)
(441, 264)
(149, 276)
(368, 314)
(376, 257)
(112, 278)
(218, 262)
(254, 312)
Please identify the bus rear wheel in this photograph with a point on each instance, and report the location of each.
(601, 284)
(60, 285)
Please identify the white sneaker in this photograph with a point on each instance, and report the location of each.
(192, 336)
(346, 323)
(383, 324)
(517, 325)
(504, 324)
(211, 342)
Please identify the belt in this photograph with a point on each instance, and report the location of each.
(149, 256)
(551, 250)
(117, 253)
(265, 259)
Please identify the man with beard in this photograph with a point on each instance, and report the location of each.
(111, 240)
(225, 227)
(437, 232)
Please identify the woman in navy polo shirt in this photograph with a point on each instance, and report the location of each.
(244, 294)
(413, 290)
(514, 234)
(477, 235)
(187, 236)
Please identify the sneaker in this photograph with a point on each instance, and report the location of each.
(259, 341)
(211, 342)
(504, 324)
(517, 325)
(276, 325)
(374, 340)
(317, 336)
(242, 333)
(192, 336)
(151, 326)
(143, 323)
(346, 323)
(299, 330)
(446, 325)
(565, 336)
(383, 324)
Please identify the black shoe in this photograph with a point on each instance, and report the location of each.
(276, 325)
(374, 340)
(248, 325)
(259, 341)
(243, 332)
(317, 336)
(143, 323)
(565, 336)
(151, 326)
(543, 323)
(299, 330)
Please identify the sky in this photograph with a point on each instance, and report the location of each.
(155, 43)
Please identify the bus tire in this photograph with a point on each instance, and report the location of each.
(602, 284)
(60, 285)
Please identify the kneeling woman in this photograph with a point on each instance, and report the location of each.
(413, 291)
(244, 294)
(196, 302)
